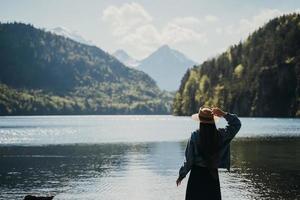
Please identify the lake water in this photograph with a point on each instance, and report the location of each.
(138, 157)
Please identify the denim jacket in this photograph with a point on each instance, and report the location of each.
(193, 157)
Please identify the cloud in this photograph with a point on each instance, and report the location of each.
(125, 18)
(247, 26)
(211, 18)
(184, 29)
(141, 41)
(133, 28)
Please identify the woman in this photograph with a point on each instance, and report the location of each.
(206, 151)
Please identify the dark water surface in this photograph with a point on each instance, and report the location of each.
(138, 157)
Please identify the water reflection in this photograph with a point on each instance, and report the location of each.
(262, 169)
(53, 168)
(271, 166)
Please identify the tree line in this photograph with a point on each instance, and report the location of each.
(257, 77)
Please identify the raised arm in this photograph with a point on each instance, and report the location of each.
(233, 127)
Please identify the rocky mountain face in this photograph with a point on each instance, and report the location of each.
(258, 77)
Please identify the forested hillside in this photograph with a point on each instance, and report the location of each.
(43, 73)
(257, 77)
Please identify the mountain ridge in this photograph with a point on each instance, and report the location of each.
(164, 63)
(43, 73)
(74, 35)
(125, 58)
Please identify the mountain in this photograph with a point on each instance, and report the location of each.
(122, 56)
(258, 77)
(166, 66)
(43, 73)
(74, 35)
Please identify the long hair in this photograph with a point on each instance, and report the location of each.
(209, 144)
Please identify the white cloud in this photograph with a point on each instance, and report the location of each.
(141, 41)
(247, 26)
(125, 18)
(133, 28)
(183, 30)
(211, 18)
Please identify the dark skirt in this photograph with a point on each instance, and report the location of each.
(203, 184)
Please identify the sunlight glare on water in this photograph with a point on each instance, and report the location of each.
(138, 157)
(103, 129)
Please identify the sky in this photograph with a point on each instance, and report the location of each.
(201, 29)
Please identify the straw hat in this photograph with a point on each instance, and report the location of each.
(205, 115)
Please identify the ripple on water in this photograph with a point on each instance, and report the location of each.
(145, 168)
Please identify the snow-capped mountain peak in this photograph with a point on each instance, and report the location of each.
(74, 35)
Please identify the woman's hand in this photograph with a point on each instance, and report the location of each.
(178, 182)
(218, 112)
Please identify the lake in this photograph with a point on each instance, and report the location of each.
(138, 157)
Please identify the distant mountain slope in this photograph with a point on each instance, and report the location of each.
(42, 73)
(70, 34)
(127, 60)
(259, 77)
(166, 66)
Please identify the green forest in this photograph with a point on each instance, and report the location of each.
(258, 77)
(43, 73)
